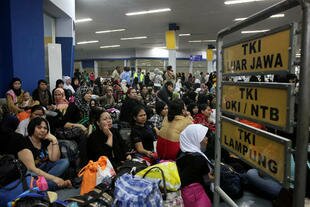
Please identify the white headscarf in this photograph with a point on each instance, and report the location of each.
(191, 137)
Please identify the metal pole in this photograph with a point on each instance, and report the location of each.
(216, 198)
(226, 197)
(303, 110)
(264, 14)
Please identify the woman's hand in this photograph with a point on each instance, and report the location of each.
(128, 157)
(107, 131)
(148, 153)
(51, 138)
(62, 183)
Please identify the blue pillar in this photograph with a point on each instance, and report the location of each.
(67, 55)
(21, 43)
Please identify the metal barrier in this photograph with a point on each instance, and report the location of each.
(304, 100)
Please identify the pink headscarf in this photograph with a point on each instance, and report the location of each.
(61, 102)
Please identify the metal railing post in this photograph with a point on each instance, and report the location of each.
(303, 110)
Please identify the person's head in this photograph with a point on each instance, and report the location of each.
(176, 107)
(118, 69)
(84, 93)
(59, 94)
(67, 80)
(205, 110)
(16, 84)
(26, 96)
(42, 85)
(144, 90)
(76, 81)
(59, 83)
(103, 119)
(37, 111)
(194, 138)
(192, 108)
(93, 103)
(139, 115)
(139, 70)
(169, 86)
(161, 108)
(132, 93)
(38, 127)
(169, 68)
(109, 91)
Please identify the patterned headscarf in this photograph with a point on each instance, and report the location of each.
(61, 103)
(80, 101)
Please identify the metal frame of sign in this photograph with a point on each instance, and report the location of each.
(276, 138)
(293, 45)
(289, 107)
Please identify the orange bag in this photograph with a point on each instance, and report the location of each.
(89, 177)
(23, 115)
(94, 172)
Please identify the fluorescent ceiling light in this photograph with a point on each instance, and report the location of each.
(109, 46)
(273, 16)
(183, 35)
(202, 41)
(134, 38)
(195, 41)
(240, 19)
(277, 15)
(87, 42)
(208, 40)
(83, 20)
(254, 31)
(240, 1)
(148, 12)
(108, 31)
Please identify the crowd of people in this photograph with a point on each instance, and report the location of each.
(171, 110)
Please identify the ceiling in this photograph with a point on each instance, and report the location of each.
(202, 18)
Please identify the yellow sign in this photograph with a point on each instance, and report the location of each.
(269, 53)
(170, 40)
(270, 103)
(260, 149)
(209, 54)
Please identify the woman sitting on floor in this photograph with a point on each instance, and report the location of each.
(107, 141)
(41, 154)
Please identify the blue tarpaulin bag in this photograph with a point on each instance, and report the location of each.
(133, 191)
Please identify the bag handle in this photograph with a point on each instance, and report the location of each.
(163, 179)
(90, 164)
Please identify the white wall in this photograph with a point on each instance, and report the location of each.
(68, 6)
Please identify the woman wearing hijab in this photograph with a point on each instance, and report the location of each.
(14, 96)
(61, 102)
(193, 165)
(67, 84)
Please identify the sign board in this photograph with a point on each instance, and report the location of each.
(266, 53)
(195, 58)
(271, 104)
(262, 150)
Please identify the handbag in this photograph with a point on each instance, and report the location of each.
(231, 181)
(11, 169)
(170, 199)
(73, 133)
(171, 175)
(94, 172)
(133, 191)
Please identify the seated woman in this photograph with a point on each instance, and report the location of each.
(168, 145)
(193, 166)
(107, 141)
(27, 101)
(161, 112)
(142, 135)
(14, 96)
(41, 154)
(203, 117)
